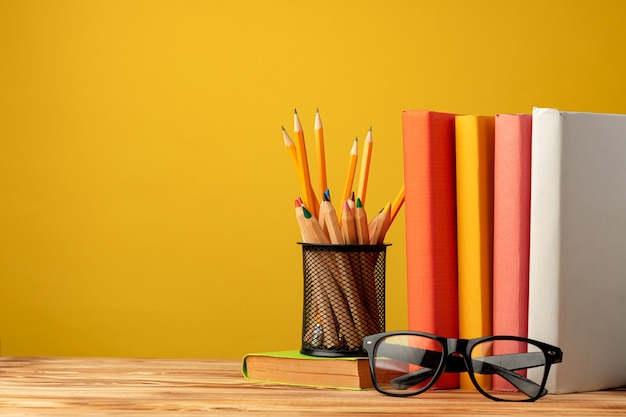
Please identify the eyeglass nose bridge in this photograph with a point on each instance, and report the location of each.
(456, 359)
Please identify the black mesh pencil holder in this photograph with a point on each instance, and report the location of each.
(344, 297)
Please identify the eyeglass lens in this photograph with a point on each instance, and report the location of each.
(508, 369)
(406, 364)
(504, 369)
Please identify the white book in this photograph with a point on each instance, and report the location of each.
(577, 282)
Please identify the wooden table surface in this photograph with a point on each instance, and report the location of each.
(63, 386)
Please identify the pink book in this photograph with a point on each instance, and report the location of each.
(511, 243)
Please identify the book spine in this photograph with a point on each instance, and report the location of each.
(511, 227)
(430, 211)
(545, 225)
(474, 176)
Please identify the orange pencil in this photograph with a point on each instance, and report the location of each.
(397, 204)
(347, 185)
(365, 167)
(309, 195)
(293, 153)
(321, 155)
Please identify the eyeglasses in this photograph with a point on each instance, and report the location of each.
(502, 368)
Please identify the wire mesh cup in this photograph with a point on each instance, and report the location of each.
(344, 297)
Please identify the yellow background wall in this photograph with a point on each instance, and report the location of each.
(145, 193)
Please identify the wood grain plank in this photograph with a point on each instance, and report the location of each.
(55, 386)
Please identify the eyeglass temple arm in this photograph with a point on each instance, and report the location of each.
(502, 365)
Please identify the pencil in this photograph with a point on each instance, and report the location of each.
(309, 195)
(321, 155)
(351, 201)
(348, 227)
(397, 204)
(385, 224)
(379, 225)
(365, 167)
(329, 278)
(329, 218)
(312, 230)
(347, 275)
(300, 217)
(291, 150)
(360, 220)
(322, 220)
(293, 153)
(330, 306)
(347, 185)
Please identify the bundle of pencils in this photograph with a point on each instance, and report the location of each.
(319, 220)
(345, 305)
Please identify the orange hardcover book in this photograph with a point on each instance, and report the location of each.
(430, 211)
(511, 225)
(474, 184)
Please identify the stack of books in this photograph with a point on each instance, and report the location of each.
(516, 225)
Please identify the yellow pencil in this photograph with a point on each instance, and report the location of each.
(291, 150)
(347, 185)
(309, 195)
(365, 167)
(321, 155)
(397, 204)
(293, 153)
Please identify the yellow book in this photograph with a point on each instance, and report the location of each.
(474, 176)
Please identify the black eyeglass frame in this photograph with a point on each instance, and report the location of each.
(450, 363)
